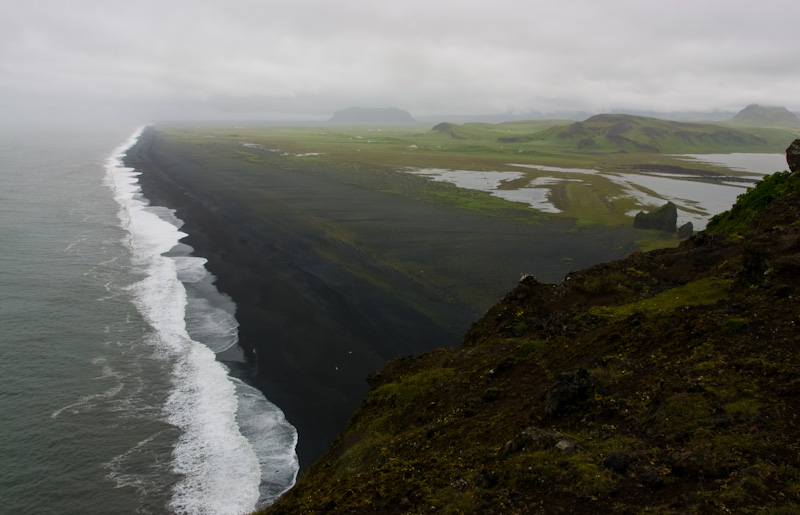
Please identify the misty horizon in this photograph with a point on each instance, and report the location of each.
(302, 61)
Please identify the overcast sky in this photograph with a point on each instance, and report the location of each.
(304, 59)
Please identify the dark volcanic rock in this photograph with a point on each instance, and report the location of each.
(571, 389)
(617, 462)
(685, 231)
(662, 219)
(793, 156)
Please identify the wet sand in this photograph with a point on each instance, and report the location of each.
(332, 276)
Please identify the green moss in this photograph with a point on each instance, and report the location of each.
(701, 292)
(528, 348)
(613, 280)
(683, 413)
(733, 325)
(746, 409)
(406, 392)
(771, 187)
(361, 455)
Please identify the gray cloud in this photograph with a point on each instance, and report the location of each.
(307, 58)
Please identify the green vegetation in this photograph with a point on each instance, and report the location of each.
(624, 133)
(375, 156)
(699, 292)
(662, 383)
(735, 221)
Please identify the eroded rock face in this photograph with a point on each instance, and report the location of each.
(685, 231)
(662, 219)
(793, 156)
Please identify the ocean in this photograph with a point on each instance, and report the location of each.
(112, 398)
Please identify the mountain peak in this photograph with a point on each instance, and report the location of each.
(767, 116)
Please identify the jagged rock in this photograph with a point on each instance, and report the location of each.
(571, 388)
(567, 445)
(793, 156)
(685, 231)
(662, 219)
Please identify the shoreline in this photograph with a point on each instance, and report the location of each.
(312, 327)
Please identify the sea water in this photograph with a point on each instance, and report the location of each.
(112, 400)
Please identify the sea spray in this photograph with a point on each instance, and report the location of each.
(236, 450)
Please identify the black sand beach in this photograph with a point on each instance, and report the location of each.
(332, 277)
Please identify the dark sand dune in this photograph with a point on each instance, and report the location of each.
(332, 276)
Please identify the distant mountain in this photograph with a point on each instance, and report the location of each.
(388, 115)
(497, 118)
(755, 115)
(627, 133)
(579, 116)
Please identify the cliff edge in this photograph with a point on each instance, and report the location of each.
(667, 382)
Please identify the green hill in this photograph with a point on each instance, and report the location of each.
(627, 133)
(622, 133)
(667, 382)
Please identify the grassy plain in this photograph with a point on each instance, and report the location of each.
(374, 155)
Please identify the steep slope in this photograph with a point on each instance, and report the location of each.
(667, 382)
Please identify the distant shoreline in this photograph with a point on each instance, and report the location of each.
(313, 324)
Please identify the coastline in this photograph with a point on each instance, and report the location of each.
(311, 328)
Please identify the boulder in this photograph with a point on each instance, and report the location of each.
(662, 219)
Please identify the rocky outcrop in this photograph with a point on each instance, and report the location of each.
(685, 230)
(793, 156)
(662, 219)
(448, 128)
(569, 392)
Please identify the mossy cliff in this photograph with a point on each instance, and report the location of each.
(667, 382)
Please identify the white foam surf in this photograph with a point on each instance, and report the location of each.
(236, 450)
